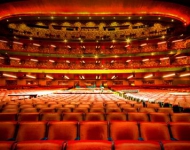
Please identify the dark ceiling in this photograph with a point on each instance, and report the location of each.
(182, 2)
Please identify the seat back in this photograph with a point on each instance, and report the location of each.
(154, 131)
(93, 130)
(116, 116)
(7, 130)
(159, 117)
(94, 117)
(122, 130)
(64, 130)
(139, 117)
(31, 131)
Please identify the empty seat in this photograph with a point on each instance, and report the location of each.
(128, 110)
(6, 145)
(64, 110)
(138, 105)
(64, 130)
(180, 130)
(31, 131)
(147, 110)
(122, 130)
(40, 145)
(139, 117)
(80, 109)
(116, 116)
(115, 109)
(8, 116)
(94, 117)
(73, 117)
(153, 105)
(94, 130)
(89, 145)
(176, 145)
(47, 110)
(28, 117)
(165, 110)
(50, 116)
(180, 117)
(136, 145)
(10, 110)
(7, 130)
(154, 131)
(101, 110)
(159, 117)
(28, 110)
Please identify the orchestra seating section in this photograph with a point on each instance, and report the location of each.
(91, 122)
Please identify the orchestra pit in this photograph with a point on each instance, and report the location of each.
(94, 75)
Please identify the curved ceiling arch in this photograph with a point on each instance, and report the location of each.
(95, 8)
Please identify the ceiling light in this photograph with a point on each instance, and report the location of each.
(127, 45)
(52, 45)
(179, 57)
(9, 75)
(66, 77)
(51, 61)
(65, 40)
(31, 38)
(148, 76)
(129, 77)
(35, 44)
(34, 60)
(185, 75)
(129, 17)
(67, 61)
(140, 17)
(159, 18)
(145, 60)
(49, 77)
(144, 44)
(113, 77)
(128, 60)
(169, 75)
(112, 61)
(128, 40)
(163, 42)
(164, 58)
(3, 41)
(13, 58)
(177, 40)
(163, 37)
(17, 43)
(29, 76)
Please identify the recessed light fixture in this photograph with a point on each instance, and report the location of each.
(129, 17)
(77, 17)
(169, 75)
(65, 17)
(140, 17)
(159, 18)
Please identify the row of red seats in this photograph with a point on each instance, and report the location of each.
(90, 130)
(119, 116)
(95, 145)
(44, 109)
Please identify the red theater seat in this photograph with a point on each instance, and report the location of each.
(154, 131)
(129, 110)
(139, 117)
(180, 130)
(165, 110)
(31, 131)
(6, 145)
(136, 145)
(73, 116)
(8, 116)
(62, 130)
(50, 116)
(121, 130)
(28, 110)
(80, 109)
(176, 145)
(7, 130)
(89, 145)
(147, 110)
(159, 117)
(28, 117)
(116, 116)
(101, 110)
(94, 117)
(40, 145)
(180, 117)
(94, 130)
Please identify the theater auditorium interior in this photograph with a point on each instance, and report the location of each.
(94, 75)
